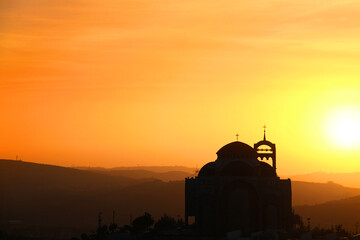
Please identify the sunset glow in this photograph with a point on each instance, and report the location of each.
(344, 128)
(126, 83)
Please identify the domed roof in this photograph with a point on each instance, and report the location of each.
(237, 150)
(266, 170)
(238, 168)
(208, 169)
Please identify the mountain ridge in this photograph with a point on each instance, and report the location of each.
(346, 179)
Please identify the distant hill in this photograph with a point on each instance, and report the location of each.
(315, 193)
(345, 212)
(65, 202)
(138, 173)
(24, 177)
(345, 179)
(158, 169)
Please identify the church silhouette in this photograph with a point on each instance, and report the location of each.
(239, 192)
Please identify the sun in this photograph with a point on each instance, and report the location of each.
(343, 127)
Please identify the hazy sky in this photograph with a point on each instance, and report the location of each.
(168, 82)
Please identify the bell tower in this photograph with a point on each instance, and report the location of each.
(266, 150)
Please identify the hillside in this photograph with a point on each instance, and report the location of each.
(345, 212)
(345, 179)
(23, 177)
(157, 169)
(315, 193)
(65, 202)
(78, 213)
(138, 173)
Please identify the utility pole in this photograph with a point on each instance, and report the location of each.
(113, 217)
(99, 219)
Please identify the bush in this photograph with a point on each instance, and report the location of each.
(142, 223)
(165, 223)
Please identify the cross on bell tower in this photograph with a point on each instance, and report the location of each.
(264, 132)
(237, 137)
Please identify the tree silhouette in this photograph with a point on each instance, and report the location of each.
(165, 223)
(125, 229)
(180, 223)
(142, 223)
(102, 232)
(297, 222)
(84, 236)
(340, 231)
(112, 227)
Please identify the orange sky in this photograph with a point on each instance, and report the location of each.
(168, 82)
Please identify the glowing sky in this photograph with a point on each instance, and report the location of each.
(168, 82)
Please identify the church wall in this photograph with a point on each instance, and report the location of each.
(267, 192)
